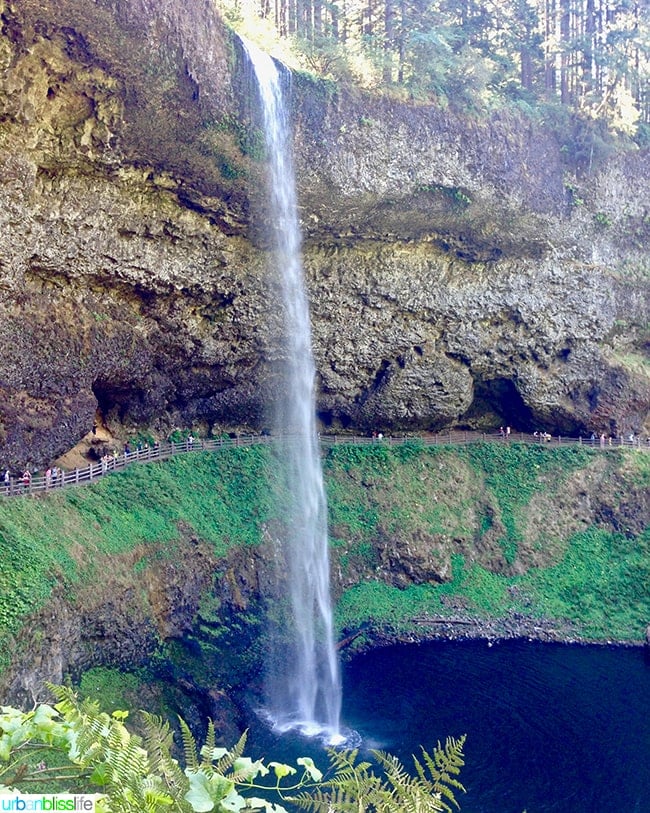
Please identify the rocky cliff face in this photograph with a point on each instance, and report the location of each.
(457, 273)
(481, 288)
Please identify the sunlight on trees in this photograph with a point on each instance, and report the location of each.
(591, 56)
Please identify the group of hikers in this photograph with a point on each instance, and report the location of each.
(53, 477)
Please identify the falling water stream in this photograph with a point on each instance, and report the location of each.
(303, 686)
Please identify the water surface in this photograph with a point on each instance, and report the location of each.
(550, 728)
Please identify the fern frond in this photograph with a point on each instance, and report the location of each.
(320, 801)
(189, 746)
(445, 762)
(409, 794)
(395, 771)
(353, 788)
(156, 797)
(316, 801)
(210, 737)
(443, 766)
(158, 741)
(124, 766)
(339, 760)
(67, 703)
(225, 763)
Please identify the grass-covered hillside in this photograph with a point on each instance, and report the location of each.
(417, 533)
(493, 530)
(79, 537)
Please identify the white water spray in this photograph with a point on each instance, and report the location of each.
(303, 684)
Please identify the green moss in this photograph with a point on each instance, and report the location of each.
(379, 490)
(601, 584)
(483, 594)
(317, 87)
(376, 492)
(114, 688)
(598, 586)
(514, 472)
(223, 497)
(384, 604)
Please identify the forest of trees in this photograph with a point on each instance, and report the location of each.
(590, 56)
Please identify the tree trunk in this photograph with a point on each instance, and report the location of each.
(389, 37)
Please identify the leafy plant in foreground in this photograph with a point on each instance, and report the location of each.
(354, 787)
(136, 775)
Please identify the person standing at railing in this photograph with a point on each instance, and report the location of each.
(7, 481)
(27, 479)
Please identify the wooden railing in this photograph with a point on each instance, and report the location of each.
(41, 483)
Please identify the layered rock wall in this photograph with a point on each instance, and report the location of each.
(460, 272)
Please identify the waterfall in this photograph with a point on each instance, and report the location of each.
(303, 685)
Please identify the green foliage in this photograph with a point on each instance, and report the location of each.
(642, 137)
(323, 57)
(449, 499)
(113, 688)
(599, 588)
(224, 497)
(574, 195)
(599, 584)
(179, 435)
(385, 605)
(602, 219)
(377, 491)
(596, 584)
(513, 472)
(355, 787)
(317, 88)
(481, 57)
(142, 439)
(484, 593)
(140, 775)
(410, 450)
(229, 169)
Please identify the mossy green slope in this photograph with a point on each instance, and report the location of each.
(223, 498)
(555, 533)
(558, 534)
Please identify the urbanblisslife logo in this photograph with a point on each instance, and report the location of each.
(79, 802)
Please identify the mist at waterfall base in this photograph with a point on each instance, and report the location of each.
(550, 728)
(302, 672)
